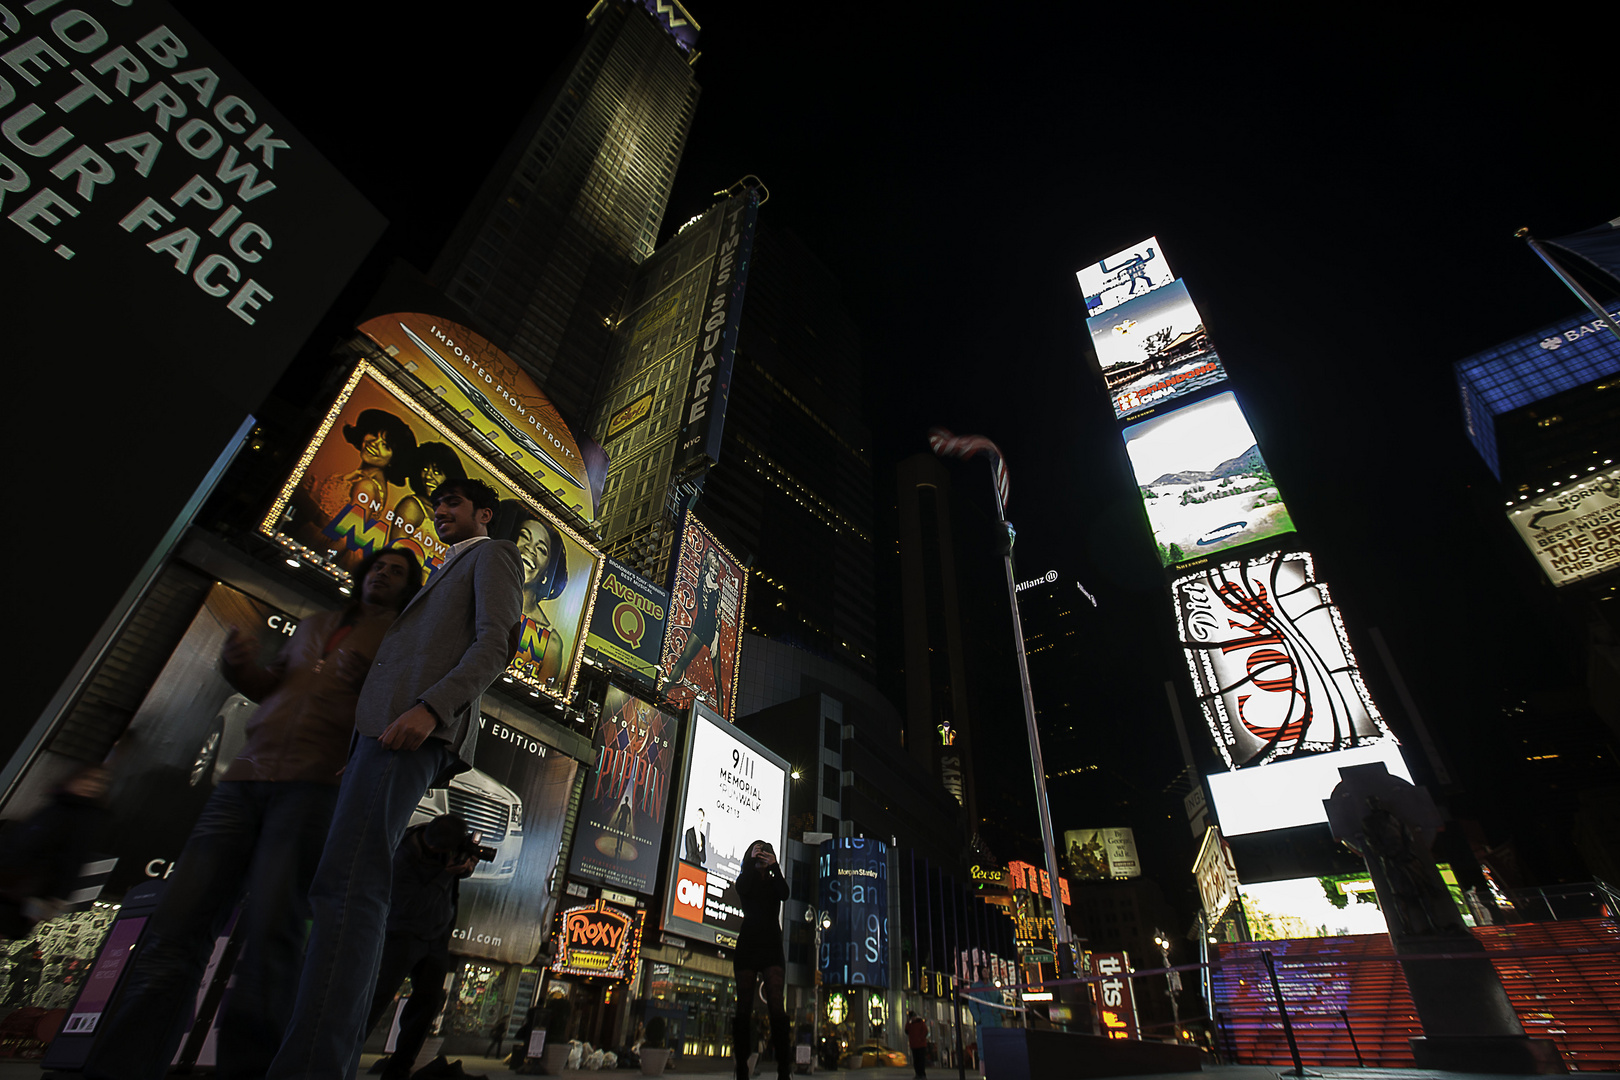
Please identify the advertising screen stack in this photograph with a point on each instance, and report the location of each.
(1274, 675)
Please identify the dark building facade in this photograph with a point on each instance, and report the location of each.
(544, 253)
(791, 491)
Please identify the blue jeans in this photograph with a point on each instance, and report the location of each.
(350, 898)
(262, 836)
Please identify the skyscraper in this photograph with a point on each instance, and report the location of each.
(791, 484)
(546, 249)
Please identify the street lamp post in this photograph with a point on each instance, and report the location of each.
(1172, 983)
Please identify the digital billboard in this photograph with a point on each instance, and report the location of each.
(492, 393)
(1203, 482)
(734, 792)
(1573, 530)
(1153, 349)
(1215, 873)
(363, 483)
(1097, 854)
(168, 242)
(621, 816)
(854, 889)
(703, 641)
(1289, 792)
(1133, 272)
(1270, 661)
(627, 628)
(1116, 995)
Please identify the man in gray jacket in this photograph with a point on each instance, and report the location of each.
(415, 726)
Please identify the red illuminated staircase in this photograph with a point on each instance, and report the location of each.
(1573, 999)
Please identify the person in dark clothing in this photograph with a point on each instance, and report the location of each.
(761, 889)
(40, 857)
(497, 1037)
(428, 869)
(917, 1040)
(256, 843)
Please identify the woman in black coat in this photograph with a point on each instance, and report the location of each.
(761, 888)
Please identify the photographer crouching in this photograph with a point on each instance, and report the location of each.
(429, 865)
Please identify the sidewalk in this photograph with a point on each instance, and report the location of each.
(495, 1070)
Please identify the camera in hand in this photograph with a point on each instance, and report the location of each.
(471, 848)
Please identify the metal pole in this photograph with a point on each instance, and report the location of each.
(1282, 1012)
(1350, 1031)
(1574, 286)
(956, 996)
(1037, 765)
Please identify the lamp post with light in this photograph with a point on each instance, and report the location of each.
(819, 920)
(1172, 983)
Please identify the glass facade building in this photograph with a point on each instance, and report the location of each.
(545, 251)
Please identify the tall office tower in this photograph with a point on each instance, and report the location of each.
(787, 482)
(546, 249)
(939, 727)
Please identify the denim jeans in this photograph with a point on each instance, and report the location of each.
(262, 836)
(350, 899)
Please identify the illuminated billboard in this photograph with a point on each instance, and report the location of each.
(492, 393)
(1153, 349)
(1573, 530)
(734, 792)
(622, 810)
(362, 484)
(1215, 873)
(703, 413)
(1289, 792)
(1097, 854)
(1115, 995)
(597, 939)
(627, 628)
(1270, 661)
(854, 889)
(703, 641)
(1203, 482)
(1133, 272)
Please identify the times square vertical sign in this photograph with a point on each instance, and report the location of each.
(1266, 647)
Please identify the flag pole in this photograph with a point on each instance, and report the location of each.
(1574, 286)
(1037, 765)
(943, 442)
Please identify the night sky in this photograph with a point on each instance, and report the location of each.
(1339, 194)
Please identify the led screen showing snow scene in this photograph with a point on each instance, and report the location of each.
(1203, 482)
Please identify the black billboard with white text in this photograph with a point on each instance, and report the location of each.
(169, 241)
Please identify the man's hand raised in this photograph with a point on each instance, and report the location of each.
(409, 731)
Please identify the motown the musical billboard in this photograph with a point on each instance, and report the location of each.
(703, 643)
(488, 388)
(1271, 662)
(363, 483)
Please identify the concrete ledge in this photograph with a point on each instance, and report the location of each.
(1517, 1055)
(1021, 1054)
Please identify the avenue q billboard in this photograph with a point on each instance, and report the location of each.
(1271, 662)
(168, 241)
(1574, 530)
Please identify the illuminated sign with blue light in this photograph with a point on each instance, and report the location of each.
(854, 887)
